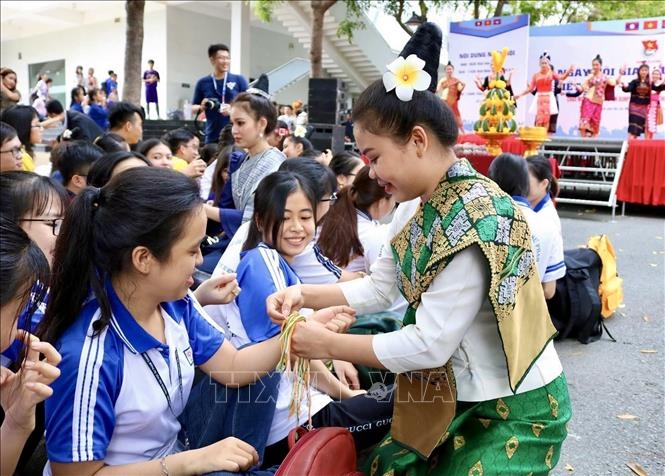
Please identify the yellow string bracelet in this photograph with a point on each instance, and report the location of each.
(299, 373)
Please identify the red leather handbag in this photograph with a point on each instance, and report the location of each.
(328, 451)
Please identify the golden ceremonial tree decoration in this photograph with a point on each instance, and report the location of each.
(497, 111)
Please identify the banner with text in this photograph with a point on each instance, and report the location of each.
(470, 45)
(620, 43)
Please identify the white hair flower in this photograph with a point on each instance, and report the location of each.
(405, 75)
(300, 131)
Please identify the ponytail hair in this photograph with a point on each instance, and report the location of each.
(540, 167)
(143, 206)
(339, 239)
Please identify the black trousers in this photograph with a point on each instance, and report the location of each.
(367, 417)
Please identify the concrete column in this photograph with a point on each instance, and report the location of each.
(240, 34)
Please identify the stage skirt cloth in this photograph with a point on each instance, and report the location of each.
(590, 116)
(518, 435)
(543, 107)
(637, 116)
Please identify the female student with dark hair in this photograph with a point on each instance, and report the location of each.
(281, 228)
(296, 146)
(28, 129)
(640, 96)
(11, 157)
(253, 117)
(21, 264)
(110, 165)
(130, 336)
(462, 257)
(345, 166)
(351, 235)
(543, 188)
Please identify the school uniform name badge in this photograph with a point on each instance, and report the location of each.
(231, 85)
(189, 355)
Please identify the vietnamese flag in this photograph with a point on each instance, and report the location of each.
(632, 25)
(650, 25)
(488, 22)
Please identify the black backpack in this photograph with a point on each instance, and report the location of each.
(575, 307)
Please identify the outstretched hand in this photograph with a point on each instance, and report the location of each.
(335, 318)
(280, 304)
(218, 290)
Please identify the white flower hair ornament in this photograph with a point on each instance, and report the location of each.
(300, 131)
(405, 76)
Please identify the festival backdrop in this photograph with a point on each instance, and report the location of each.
(620, 43)
(470, 47)
(628, 43)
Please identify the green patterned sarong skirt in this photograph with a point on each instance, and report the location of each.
(517, 435)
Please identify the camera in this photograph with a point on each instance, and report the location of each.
(212, 103)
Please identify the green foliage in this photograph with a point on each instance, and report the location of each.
(263, 9)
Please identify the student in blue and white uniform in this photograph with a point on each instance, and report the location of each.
(130, 335)
(36, 204)
(511, 173)
(543, 187)
(282, 226)
(21, 265)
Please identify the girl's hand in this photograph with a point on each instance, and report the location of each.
(218, 290)
(335, 318)
(195, 168)
(20, 392)
(347, 374)
(311, 340)
(229, 454)
(280, 304)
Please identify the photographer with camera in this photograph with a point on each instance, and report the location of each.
(213, 94)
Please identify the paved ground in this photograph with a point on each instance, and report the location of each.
(618, 388)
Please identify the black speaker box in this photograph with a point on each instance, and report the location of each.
(327, 136)
(323, 102)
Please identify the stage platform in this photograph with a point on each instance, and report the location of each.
(591, 164)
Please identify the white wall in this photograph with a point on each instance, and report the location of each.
(97, 45)
(188, 38)
(176, 39)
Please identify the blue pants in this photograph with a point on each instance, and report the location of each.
(214, 412)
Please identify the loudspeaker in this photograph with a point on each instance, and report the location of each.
(325, 99)
(326, 136)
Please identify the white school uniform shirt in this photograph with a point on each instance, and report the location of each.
(547, 243)
(107, 404)
(454, 319)
(546, 209)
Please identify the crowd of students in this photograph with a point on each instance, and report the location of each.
(151, 367)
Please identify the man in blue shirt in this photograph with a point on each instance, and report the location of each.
(214, 93)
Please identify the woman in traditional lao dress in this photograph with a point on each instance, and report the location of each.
(594, 87)
(543, 83)
(449, 90)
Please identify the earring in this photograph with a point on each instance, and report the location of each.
(261, 135)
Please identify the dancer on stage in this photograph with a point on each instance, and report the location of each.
(545, 104)
(596, 88)
(655, 113)
(449, 90)
(640, 96)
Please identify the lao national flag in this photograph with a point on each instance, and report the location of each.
(479, 23)
(650, 25)
(632, 25)
(497, 21)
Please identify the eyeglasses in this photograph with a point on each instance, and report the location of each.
(54, 223)
(15, 151)
(332, 199)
